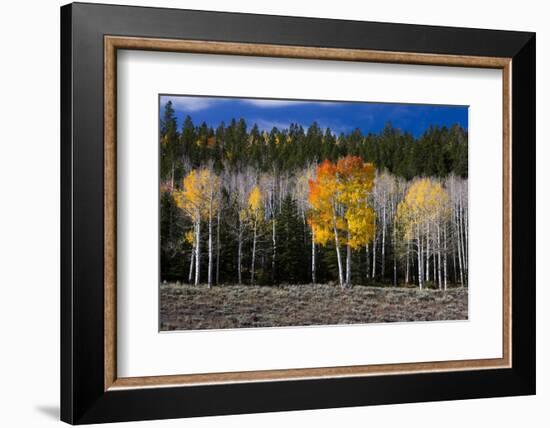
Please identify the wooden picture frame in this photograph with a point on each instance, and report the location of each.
(91, 390)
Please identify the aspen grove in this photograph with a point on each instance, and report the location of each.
(245, 206)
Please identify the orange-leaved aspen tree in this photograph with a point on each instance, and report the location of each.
(339, 211)
(323, 198)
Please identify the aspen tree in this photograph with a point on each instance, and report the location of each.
(255, 214)
(339, 213)
(198, 200)
(425, 203)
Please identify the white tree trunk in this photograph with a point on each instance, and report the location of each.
(434, 253)
(172, 177)
(464, 223)
(454, 268)
(419, 246)
(427, 273)
(407, 263)
(198, 252)
(394, 272)
(191, 265)
(218, 244)
(462, 245)
(459, 248)
(210, 246)
(439, 258)
(394, 244)
(445, 256)
(253, 254)
(274, 242)
(240, 253)
(383, 254)
(337, 244)
(368, 261)
(374, 257)
(313, 273)
(394, 262)
(348, 262)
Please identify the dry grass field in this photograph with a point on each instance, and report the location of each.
(185, 307)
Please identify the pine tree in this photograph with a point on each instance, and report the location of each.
(291, 257)
(170, 146)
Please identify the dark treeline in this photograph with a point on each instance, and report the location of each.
(279, 163)
(439, 152)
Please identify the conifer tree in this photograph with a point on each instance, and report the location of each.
(291, 255)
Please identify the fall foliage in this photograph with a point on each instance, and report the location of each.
(244, 206)
(339, 207)
(425, 206)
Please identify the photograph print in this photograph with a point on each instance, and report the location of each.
(280, 212)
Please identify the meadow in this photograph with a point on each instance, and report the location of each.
(185, 307)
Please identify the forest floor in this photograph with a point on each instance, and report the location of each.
(186, 307)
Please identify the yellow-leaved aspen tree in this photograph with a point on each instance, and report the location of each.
(425, 203)
(255, 211)
(338, 211)
(197, 200)
(190, 200)
(355, 180)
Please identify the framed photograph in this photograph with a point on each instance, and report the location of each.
(266, 213)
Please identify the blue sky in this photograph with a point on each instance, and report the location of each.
(338, 116)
